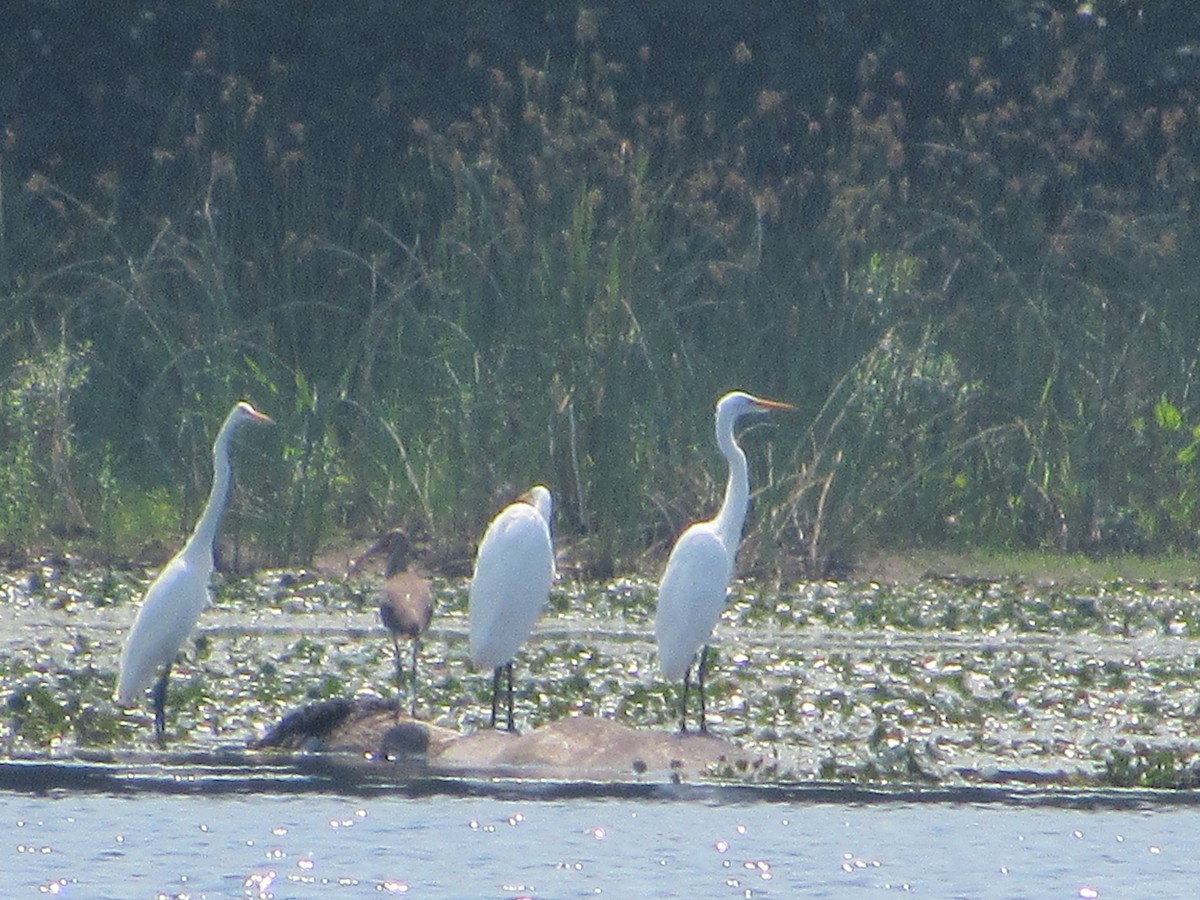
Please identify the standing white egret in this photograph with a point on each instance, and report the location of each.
(692, 592)
(179, 594)
(405, 602)
(513, 573)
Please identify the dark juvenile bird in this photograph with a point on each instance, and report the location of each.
(405, 602)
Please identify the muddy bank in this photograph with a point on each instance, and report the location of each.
(575, 748)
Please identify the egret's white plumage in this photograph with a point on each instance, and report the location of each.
(692, 592)
(691, 596)
(179, 594)
(514, 570)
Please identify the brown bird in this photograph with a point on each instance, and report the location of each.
(405, 601)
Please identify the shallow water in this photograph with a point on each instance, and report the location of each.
(937, 681)
(315, 844)
(980, 720)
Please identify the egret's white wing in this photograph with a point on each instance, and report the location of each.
(691, 596)
(173, 603)
(513, 573)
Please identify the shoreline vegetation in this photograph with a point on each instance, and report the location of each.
(545, 263)
(1028, 567)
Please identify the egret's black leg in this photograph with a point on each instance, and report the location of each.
(495, 691)
(703, 669)
(687, 684)
(508, 668)
(412, 685)
(159, 695)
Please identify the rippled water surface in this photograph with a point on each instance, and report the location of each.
(320, 845)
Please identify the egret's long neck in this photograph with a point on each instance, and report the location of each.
(204, 535)
(732, 515)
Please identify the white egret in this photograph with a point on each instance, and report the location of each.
(405, 602)
(692, 592)
(180, 593)
(511, 584)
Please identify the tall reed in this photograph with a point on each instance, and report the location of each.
(984, 315)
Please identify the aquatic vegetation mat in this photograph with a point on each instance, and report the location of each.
(939, 682)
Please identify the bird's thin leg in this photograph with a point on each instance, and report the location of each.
(687, 683)
(159, 696)
(703, 669)
(399, 674)
(508, 668)
(416, 648)
(495, 692)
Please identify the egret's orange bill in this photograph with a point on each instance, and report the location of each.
(772, 404)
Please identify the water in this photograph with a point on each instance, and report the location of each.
(507, 841)
(1026, 705)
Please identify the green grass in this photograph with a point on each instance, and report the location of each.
(558, 285)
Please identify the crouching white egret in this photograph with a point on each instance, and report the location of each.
(511, 584)
(405, 602)
(692, 592)
(177, 596)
